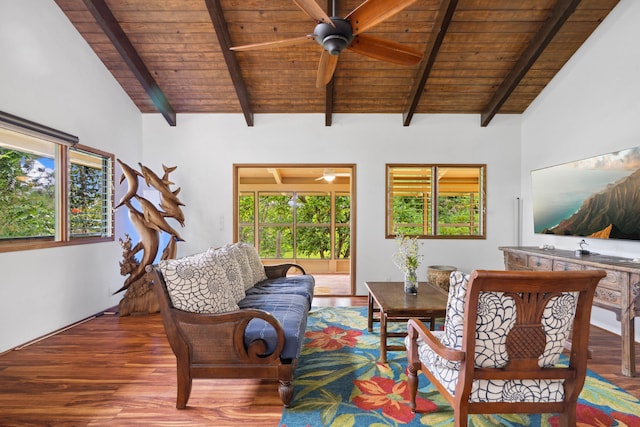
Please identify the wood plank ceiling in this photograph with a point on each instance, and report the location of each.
(482, 57)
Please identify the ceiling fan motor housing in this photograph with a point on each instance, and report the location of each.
(334, 39)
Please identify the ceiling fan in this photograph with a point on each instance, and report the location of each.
(335, 34)
(330, 175)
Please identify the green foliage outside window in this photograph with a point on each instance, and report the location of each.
(27, 203)
(275, 217)
(408, 215)
(87, 200)
(246, 217)
(343, 230)
(295, 225)
(458, 215)
(313, 219)
(276, 242)
(436, 201)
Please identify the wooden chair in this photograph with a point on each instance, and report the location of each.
(504, 332)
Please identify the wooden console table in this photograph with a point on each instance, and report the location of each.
(619, 291)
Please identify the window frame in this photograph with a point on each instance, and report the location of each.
(431, 222)
(63, 144)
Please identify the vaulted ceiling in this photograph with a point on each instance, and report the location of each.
(481, 57)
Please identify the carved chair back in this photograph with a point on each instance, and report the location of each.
(514, 325)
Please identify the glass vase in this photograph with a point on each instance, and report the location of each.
(411, 282)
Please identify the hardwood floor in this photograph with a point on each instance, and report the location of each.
(121, 371)
(332, 284)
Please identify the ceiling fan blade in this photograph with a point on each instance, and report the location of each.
(326, 68)
(311, 8)
(274, 44)
(373, 12)
(385, 50)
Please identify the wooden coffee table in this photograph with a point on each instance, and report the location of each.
(393, 305)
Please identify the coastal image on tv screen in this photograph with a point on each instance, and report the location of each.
(597, 197)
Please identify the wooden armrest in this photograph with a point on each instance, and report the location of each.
(242, 315)
(186, 331)
(416, 329)
(280, 270)
(201, 326)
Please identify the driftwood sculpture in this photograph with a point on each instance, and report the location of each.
(149, 222)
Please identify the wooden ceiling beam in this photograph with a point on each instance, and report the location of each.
(441, 24)
(224, 39)
(328, 104)
(105, 19)
(559, 15)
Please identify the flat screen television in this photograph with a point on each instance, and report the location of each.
(597, 197)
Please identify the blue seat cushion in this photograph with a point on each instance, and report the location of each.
(290, 310)
(301, 285)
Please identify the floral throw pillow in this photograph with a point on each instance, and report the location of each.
(245, 268)
(227, 272)
(192, 286)
(256, 264)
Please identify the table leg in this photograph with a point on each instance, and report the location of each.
(370, 314)
(383, 336)
(628, 349)
(627, 326)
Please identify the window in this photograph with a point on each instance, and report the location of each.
(292, 212)
(436, 201)
(53, 191)
(296, 225)
(90, 195)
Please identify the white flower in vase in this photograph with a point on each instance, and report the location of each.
(408, 259)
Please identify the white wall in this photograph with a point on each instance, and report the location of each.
(204, 148)
(48, 74)
(591, 107)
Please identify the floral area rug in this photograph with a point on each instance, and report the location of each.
(340, 383)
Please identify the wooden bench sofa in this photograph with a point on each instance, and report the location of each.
(228, 316)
